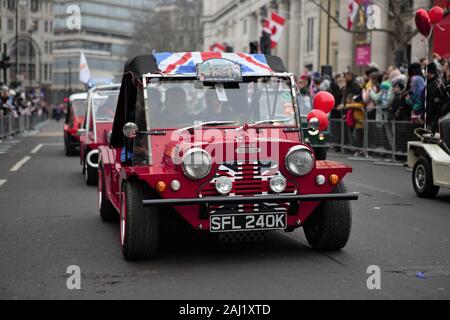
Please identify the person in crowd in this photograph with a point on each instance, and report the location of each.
(435, 97)
(303, 84)
(415, 98)
(355, 120)
(397, 106)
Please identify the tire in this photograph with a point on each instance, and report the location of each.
(321, 154)
(422, 179)
(90, 174)
(107, 212)
(69, 149)
(139, 226)
(329, 227)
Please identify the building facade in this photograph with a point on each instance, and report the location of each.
(311, 39)
(104, 35)
(26, 32)
(239, 22)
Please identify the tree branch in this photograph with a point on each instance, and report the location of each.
(339, 24)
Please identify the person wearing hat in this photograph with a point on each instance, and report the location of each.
(435, 97)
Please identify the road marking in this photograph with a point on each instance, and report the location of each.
(2, 182)
(19, 164)
(377, 189)
(36, 150)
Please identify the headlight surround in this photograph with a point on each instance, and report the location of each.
(196, 164)
(300, 161)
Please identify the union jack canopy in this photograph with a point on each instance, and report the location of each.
(186, 62)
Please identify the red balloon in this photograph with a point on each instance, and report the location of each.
(423, 22)
(322, 117)
(324, 101)
(436, 14)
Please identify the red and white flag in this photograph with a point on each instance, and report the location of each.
(353, 7)
(274, 26)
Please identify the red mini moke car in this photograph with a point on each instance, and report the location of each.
(102, 103)
(216, 138)
(76, 111)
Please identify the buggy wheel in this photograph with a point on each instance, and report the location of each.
(321, 154)
(69, 149)
(139, 226)
(107, 212)
(329, 227)
(90, 174)
(423, 179)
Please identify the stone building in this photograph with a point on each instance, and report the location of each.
(104, 37)
(310, 39)
(26, 32)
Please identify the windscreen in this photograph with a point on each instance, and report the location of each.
(104, 105)
(183, 103)
(79, 107)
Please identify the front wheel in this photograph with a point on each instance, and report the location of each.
(329, 227)
(139, 226)
(321, 154)
(107, 212)
(69, 149)
(423, 179)
(90, 174)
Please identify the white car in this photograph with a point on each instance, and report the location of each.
(430, 160)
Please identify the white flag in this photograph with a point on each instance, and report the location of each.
(85, 74)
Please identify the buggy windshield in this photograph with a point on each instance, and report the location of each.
(104, 105)
(179, 103)
(79, 107)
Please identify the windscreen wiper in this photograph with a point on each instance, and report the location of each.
(207, 124)
(262, 122)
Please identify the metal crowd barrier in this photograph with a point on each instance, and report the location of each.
(388, 138)
(11, 126)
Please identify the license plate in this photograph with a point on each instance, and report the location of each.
(245, 222)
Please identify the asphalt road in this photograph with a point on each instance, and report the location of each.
(49, 221)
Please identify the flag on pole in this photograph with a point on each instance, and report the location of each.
(85, 74)
(353, 7)
(275, 27)
(218, 47)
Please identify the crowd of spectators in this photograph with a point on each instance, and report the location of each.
(419, 94)
(18, 103)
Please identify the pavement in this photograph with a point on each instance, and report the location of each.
(49, 221)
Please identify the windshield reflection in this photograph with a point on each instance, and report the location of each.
(185, 103)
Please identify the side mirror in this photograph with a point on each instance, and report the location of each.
(130, 129)
(81, 132)
(314, 124)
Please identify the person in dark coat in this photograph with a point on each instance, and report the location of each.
(435, 97)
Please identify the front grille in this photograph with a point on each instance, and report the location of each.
(250, 179)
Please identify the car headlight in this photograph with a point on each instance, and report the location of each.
(196, 164)
(224, 185)
(300, 161)
(278, 184)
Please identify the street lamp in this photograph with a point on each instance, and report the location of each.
(33, 28)
(22, 4)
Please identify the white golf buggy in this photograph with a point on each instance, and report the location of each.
(430, 160)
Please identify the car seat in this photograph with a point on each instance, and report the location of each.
(445, 134)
